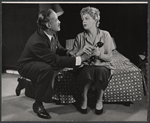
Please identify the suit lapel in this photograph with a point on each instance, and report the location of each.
(53, 43)
(43, 35)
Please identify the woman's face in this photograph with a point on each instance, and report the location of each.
(88, 22)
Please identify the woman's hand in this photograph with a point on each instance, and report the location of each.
(101, 51)
(96, 51)
(87, 49)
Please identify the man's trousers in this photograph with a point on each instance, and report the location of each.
(41, 75)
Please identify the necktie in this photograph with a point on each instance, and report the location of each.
(53, 44)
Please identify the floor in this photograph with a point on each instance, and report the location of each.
(16, 108)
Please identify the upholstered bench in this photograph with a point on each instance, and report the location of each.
(125, 84)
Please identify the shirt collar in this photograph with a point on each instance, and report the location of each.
(49, 36)
(99, 35)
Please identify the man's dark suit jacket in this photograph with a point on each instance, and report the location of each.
(38, 48)
(38, 54)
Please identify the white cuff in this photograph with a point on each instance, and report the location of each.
(78, 61)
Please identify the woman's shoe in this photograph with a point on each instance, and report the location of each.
(98, 112)
(83, 111)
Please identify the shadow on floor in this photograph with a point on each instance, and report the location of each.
(13, 106)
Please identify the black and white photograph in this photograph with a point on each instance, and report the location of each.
(74, 61)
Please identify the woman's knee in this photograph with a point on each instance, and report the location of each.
(101, 71)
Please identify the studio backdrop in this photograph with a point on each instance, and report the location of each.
(127, 24)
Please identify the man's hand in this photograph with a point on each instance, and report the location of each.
(85, 57)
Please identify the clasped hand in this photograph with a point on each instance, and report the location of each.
(88, 49)
(91, 50)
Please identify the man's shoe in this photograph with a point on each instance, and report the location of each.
(40, 111)
(20, 86)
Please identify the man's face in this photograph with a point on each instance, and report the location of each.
(54, 22)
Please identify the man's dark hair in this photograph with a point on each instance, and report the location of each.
(43, 18)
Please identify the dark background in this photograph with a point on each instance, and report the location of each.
(127, 24)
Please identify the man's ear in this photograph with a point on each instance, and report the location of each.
(48, 25)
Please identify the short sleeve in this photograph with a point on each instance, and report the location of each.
(109, 42)
(113, 44)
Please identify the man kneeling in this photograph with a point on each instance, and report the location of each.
(39, 60)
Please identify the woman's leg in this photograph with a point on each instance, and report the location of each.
(101, 74)
(84, 94)
(99, 103)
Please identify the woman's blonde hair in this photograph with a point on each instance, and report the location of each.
(93, 12)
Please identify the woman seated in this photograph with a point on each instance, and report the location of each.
(93, 71)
